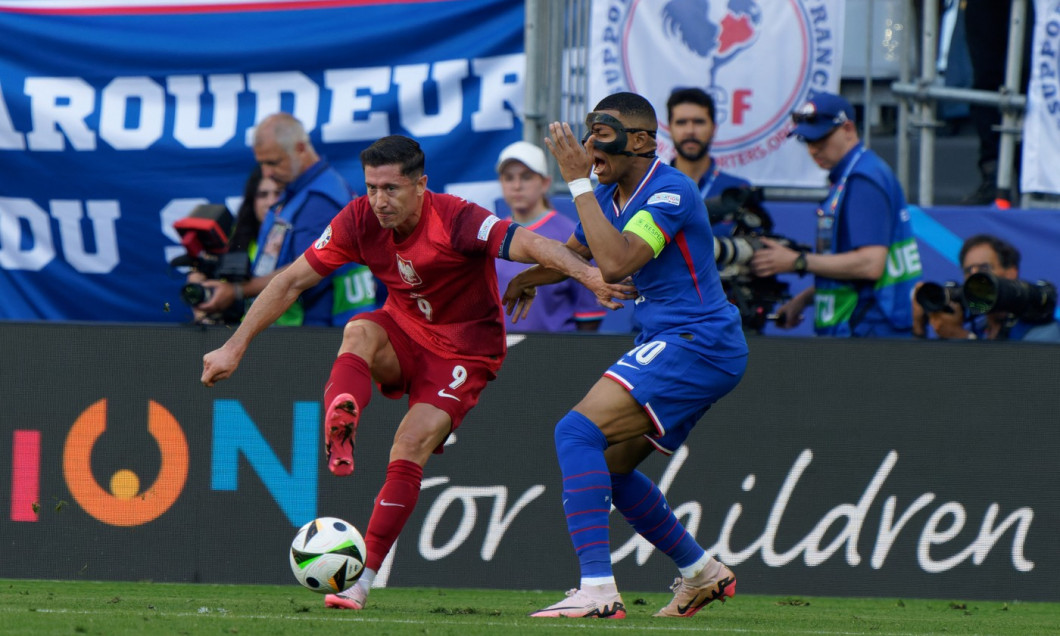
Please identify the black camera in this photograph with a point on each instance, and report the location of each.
(204, 234)
(233, 267)
(741, 211)
(1033, 303)
(935, 297)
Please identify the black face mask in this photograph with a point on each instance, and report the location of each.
(616, 146)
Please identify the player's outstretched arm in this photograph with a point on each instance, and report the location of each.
(556, 262)
(281, 292)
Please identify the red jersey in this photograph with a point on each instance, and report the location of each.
(441, 280)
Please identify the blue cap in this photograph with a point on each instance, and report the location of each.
(820, 116)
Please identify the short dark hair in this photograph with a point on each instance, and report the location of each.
(395, 149)
(632, 106)
(1007, 255)
(696, 96)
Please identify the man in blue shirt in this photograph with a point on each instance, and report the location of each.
(646, 220)
(690, 114)
(866, 261)
(313, 193)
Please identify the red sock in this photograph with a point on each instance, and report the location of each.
(392, 509)
(349, 374)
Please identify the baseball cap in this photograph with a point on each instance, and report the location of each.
(525, 153)
(819, 116)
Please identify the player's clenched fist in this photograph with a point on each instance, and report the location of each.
(218, 365)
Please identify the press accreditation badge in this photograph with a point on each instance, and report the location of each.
(270, 253)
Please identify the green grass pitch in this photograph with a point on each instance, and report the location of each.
(33, 607)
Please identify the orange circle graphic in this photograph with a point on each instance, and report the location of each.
(144, 507)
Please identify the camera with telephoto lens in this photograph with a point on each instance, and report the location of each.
(204, 234)
(935, 297)
(1033, 303)
(740, 213)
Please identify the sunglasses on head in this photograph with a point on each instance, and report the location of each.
(814, 118)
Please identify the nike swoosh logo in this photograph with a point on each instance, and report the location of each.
(626, 364)
(442, 393)
(386, 503)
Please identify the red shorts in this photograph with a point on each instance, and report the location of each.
(450, 384)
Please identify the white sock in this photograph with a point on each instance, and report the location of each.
(602, 585)
(706, 564)
(366, 580)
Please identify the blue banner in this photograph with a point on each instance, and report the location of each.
(117, 121)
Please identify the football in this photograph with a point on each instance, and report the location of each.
(327, 555)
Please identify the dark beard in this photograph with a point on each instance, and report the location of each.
(703, 149)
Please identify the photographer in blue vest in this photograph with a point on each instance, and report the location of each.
(313, 193)
(866, 262)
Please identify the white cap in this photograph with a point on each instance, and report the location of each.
(527, 154)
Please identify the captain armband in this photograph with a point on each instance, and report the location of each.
(643, 225)
(506, 244)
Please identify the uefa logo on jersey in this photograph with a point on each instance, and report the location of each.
(759, 60)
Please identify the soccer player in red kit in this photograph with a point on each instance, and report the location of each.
(438, 338)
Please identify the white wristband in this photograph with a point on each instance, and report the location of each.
(579, 187)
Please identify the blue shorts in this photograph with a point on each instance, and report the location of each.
(675, 384)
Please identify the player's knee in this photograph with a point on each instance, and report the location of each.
(362, 337)
(575, 428)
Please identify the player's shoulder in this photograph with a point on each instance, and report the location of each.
(671, 179)
(671, 187)
(451, 206)
(462, 217)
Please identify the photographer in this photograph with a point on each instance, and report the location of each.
(866, 262)
(313, 193)
(984, 254)
(259, 194)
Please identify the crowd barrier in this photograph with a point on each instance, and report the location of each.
(842, 468)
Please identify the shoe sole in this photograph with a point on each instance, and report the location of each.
(334, 601)
(617, 611)
(339, 431)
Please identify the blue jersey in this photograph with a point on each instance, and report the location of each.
(714, 181)
(679, 289)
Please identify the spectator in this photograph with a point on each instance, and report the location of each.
(984, 253)
(866, 262)
(690, 113)
(439, 338)
(313, 193)
(566, 306)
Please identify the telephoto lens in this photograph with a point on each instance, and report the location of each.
(195, 294)
(934, 297)
(1030, 302)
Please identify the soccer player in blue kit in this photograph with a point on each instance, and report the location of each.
(647, 221)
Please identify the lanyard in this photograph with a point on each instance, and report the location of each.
(705, 189)
(826, 218)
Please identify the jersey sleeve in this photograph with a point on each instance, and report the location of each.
(337, 245)
(476, 230)
(663, 215)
